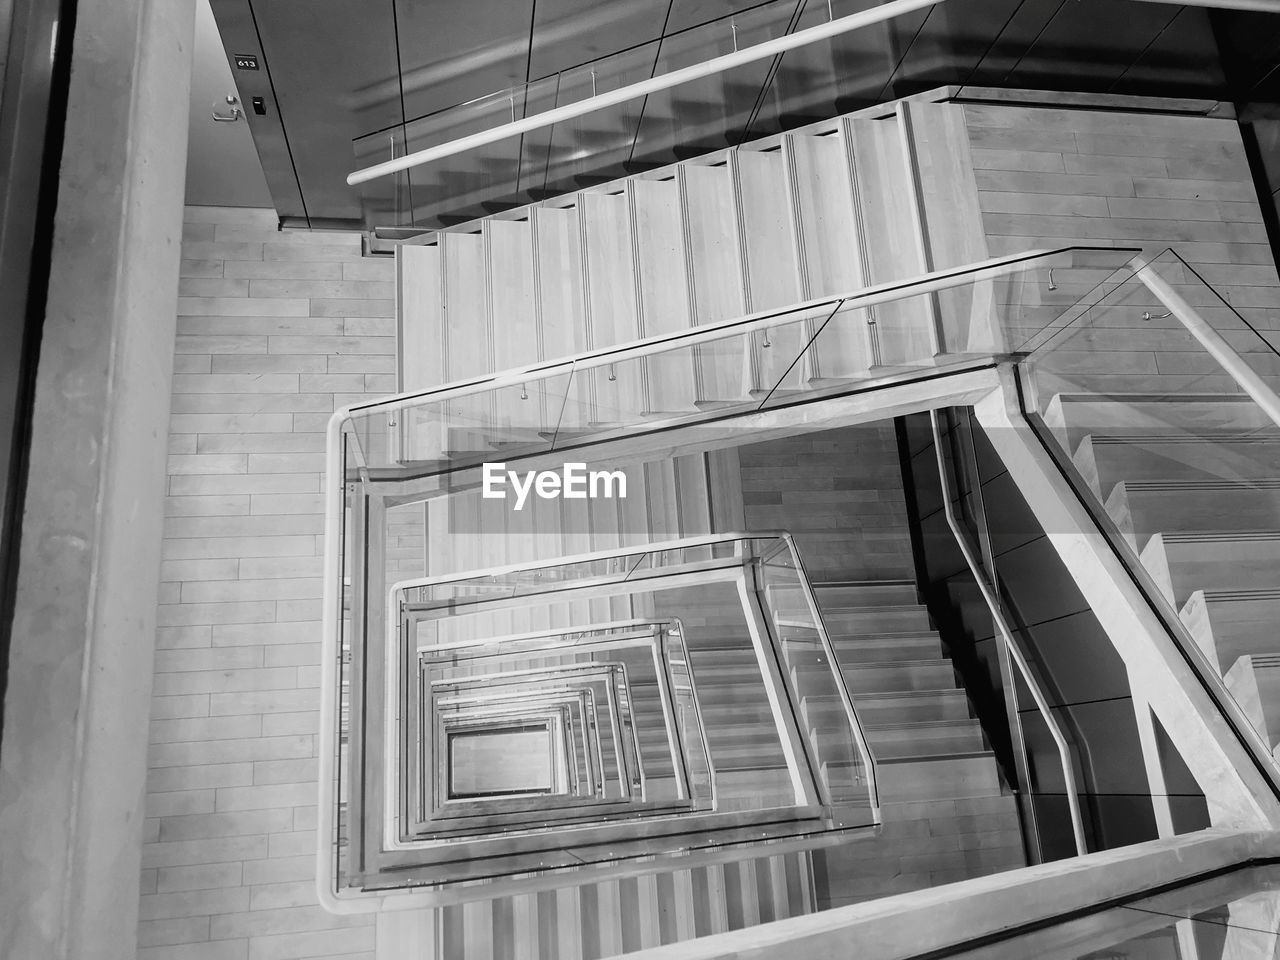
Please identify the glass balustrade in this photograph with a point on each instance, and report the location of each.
(1157, 396)
(642, 749)
(825, 348)
(640, 736)
(684, 696)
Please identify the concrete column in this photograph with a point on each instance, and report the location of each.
(73, 755)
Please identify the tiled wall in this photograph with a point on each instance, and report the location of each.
(275, 330)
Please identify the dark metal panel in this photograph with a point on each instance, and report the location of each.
(1014, 40)
(335, 77)
(570, 32)
(950, 44)
(1250, 45)
(456, 52)
(688, 13)
(1089, 44)
(240, 36)
(865, 60)
(1183, 59)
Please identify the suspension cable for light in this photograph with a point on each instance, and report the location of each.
(759, 51)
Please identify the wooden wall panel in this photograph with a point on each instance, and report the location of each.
(1055, 177)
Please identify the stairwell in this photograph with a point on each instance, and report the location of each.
(756, 228)
(946, 814)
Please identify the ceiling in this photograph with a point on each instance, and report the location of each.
(347, 83)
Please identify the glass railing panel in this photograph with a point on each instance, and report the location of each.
(387, 200)
(984, 314)
(824, 711)
(815, 350)
(594, 147)
(803, 757)
(666, 693)
(714, 112)
(347, 637)
(686, 714)
(1225, 917)
(646, 650)
(810, 659)
(1172, 438)
(488, 422)
(462, 696)
(806, 80)
(457, 187)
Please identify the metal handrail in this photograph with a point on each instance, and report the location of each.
(1015, 653)
(644, 88)
(846, 699)
(1213, 342)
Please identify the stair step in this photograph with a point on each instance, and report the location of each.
(1145, 507)
(1105, 460)
(876, 620)
(746, 756)
(1229, 624)
(888, 648)
(926, 739)
(1072, 416)
(867, 678)
(745, 789)
(872, 593)
(1185, 562)
(938, 778)
(914, 706)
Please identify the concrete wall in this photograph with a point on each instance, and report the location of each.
(72, 761)
(274, 330)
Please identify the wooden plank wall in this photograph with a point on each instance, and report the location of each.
(1049, 177)
(840, 493)
(276, 330)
